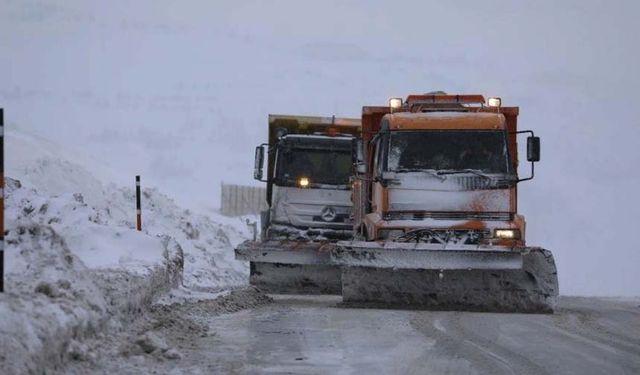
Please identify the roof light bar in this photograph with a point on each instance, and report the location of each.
(438, 98)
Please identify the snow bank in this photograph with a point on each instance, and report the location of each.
(50, 300)
(54, 299)
(97, 217)
(75, 263)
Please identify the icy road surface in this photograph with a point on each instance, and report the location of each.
(310, 335)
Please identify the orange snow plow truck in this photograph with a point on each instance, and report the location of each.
(435, 208)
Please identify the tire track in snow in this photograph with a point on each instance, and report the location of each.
(485, 356)
(516, 361)
(437, 323)
(588, 321)
(583, 326)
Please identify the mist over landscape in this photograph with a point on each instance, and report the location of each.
(179, 92)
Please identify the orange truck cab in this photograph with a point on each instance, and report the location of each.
(443, 167)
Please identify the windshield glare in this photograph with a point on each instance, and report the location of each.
(484, 151)
(321, 167)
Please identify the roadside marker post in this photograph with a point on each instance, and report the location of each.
(138, 208)
(1, 200)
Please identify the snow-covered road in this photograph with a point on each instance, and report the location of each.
(305, 334)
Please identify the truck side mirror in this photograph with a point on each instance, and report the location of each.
(533, 152)
(533, 149)
(357, 158)
(258, 163)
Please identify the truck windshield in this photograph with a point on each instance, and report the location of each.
(319, 166)
(448, 150)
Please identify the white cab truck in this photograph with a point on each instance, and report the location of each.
(308, 169)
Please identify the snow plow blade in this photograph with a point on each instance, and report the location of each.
(291, 267)
(461, 278)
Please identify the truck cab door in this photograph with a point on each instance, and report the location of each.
(378, 190)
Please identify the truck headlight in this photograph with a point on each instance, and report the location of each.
(509, 234)
(303, 182)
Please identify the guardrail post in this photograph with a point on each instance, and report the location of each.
(138, 208)
(1, 200)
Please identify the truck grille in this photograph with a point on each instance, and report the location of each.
(479, 182)
(445, 236)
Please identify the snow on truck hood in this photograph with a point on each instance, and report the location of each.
(422, 192)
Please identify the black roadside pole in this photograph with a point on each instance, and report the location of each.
(138, 208)
(1, 200)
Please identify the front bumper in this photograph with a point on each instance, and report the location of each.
(399, 255)
(285, 251)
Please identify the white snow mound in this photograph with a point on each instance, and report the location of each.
(72, 253)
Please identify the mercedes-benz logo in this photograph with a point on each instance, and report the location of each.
(328, 213)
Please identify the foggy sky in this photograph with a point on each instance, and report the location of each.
(179, 92)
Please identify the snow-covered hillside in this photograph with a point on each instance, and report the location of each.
(97, 217)
(74, 260)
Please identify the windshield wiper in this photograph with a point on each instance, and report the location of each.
(459, 171)
(431, 172)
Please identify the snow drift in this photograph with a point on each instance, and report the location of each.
(75, 263)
